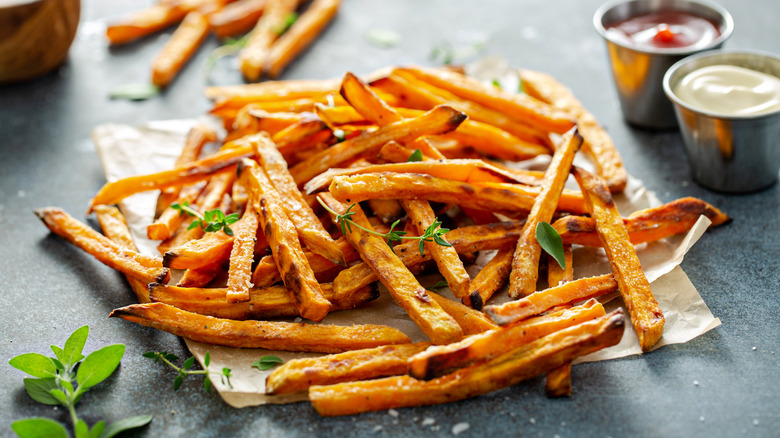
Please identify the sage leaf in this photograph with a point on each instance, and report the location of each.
(39, 427)
(125, 424)
(34, 364)
(99, 365)
(551, 242)
(40, 390)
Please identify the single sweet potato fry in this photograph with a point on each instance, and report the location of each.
(200, 277)
(236, 18)
(283, 240)
(648, 225)
(300, 35)
(646, 316)
(505, 370)
(254, 55)
(145, 22)
(144, 268)
(300, 374)
(544, 300)
(525, 263)
(470, 320)
(271, 335)
(437, 361)
(179, 48)
(241, 257)
(264, 302)
(490, 278)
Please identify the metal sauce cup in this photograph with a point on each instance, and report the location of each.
(734, 154)
(638, 71)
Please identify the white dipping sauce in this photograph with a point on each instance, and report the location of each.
(730, 90)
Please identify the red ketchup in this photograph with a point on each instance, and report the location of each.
(664, 30)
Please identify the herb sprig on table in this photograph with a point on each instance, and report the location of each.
(63, 380)
(186, 368)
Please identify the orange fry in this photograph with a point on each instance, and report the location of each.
(254, 55)
(236, 18)
(144, 268)
(271, 335)
(646, 316)
(241, 258)
(145, 22)
(179, 49)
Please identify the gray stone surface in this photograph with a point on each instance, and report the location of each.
(49, 288)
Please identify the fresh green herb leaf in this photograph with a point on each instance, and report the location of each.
(520, 87)
(210, 221)
(415, 156)
(207, 384)
(441, 284)
(286, 23)
(135, 92)
(34, 364)
(231, 47)
(496, 84)
(125, 424)
(40, 390)
(97, 429)
(99, 365)
(81, 429)
(207, 359)
(551, 242)
(267, 362)
(177, 382)
(188, 363)
(382, 37)
(39, 427)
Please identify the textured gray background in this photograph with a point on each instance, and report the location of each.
(49, 288)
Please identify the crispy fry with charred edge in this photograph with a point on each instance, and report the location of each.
(646, 316)
(283, 240)
(440, 360)
(212, 248)
(264, 302)
(236, 18)
(490, 278)
(198, 136)
(505, 370)
(199, 170)
(114, 226)
(300, 35)
(266, 273)
(521, 107)
(648, 225)
(241, 258)
(300, 374)
(254, 55)
(440, 327)
(472, 171)
(202, 276)
(144, 22)
(436, 121)
(470, 320)
(179, 48)
(144, 268)
(424, 95)
(598, 145)
(366, 102)
(525, 263)
(463, 239)
(271, 335)
(509, 199)
(310, 230)
(543, 300)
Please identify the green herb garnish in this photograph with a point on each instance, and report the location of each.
(267, 362)
(186, 369)
(432, 234)
(135, 92)
(210, 221)
(382, 37)
(441, 284)
(415, 156)
(231, 47)
(286, 23)
(63, 380)
(551, 242)
(497, 84)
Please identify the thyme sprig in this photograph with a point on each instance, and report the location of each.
(212, 220)
(186, 368)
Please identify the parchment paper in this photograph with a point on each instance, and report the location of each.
(128, 150)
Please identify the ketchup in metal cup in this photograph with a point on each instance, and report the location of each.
(664, 30)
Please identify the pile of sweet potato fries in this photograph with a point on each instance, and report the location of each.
(343, 184)
(277, 34)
